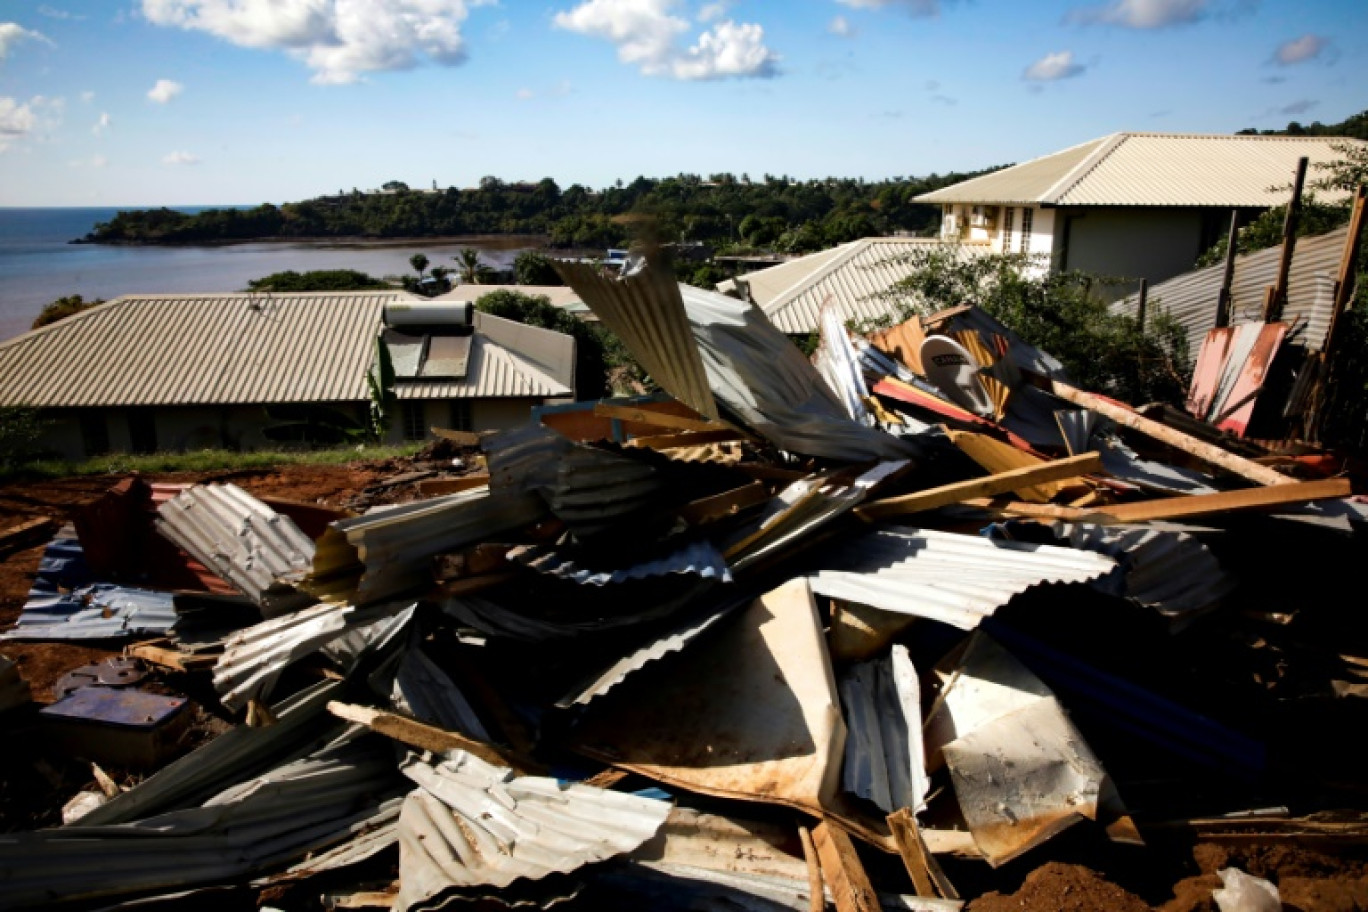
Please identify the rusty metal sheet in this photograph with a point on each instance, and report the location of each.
(750, 712)
(1206, 375)
(1237, 408)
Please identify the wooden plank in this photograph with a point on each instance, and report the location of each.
(842, 870)
(692, 438)
(1000, 483)
(1295, 492)
(659, 419)
(156, 654)
(816, 893)
(437, 487)
(420, 734)
(1208, 453)
(995, 456)
(721, 506)
(1020, 508)
(471, 584)
(477, 560)
(27, 532)
(904, 827)
(460, 438)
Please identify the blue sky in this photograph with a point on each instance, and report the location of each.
(166, 102)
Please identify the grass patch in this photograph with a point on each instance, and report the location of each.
(205, 461)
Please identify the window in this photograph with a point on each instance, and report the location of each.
(1007, 218)
(1027, 216)
(415, 427)
(460, 415)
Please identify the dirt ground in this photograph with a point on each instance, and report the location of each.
(1170, 875)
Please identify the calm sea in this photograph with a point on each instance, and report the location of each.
(37, 265)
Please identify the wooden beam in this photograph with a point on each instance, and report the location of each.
(904, 827)
(437, 487)
(1228, 277)
(1344, 287)
(460, 438)
(721, 506)
(1296, 492)
(659, 419)
(159, 653)
(918, 858)
(816, 893)
(420, 734)
(688, 439)
(1001, 483)
(1208, 453)
(1274, 304)
(843, 871)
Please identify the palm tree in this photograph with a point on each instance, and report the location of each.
(469, 258)
(419, 262)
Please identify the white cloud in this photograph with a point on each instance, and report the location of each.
(840, 27)
(919, 8)
(1142, 14)
(647, 35)
(98, 161)
(11, 33)
(165, 90)
(340, 40)
(1297, 108)
(524, 94)
(87, 97)
(1053, 67)
(52, 13)
(180, 158)
(16, 120)
(1300, 50)
(102, 124)
(711, 11)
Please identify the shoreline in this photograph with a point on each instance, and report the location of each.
(493, 241)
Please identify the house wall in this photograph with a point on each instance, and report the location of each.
(485, 415)
(1133, 243)
(957, 225)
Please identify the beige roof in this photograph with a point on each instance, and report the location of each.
(247, 349)
(507, 360)
(1152, 169)
(559, 295)
(851, 276)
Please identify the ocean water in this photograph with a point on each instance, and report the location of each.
(38, 265)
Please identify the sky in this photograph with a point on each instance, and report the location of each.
(196, 102)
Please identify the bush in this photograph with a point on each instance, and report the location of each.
(62, 308)
(317, 280)
(591, 370)
(20, 429)
(1058, 312)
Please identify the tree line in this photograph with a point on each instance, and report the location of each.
(776, 213)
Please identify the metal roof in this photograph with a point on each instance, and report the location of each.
(849, 278)
(956, 579)
(98, 612)
(471, 823)
(229, 349)
(1152, 169)
(242, 540)
(193, 350)
(1191, 297)
(884, 757)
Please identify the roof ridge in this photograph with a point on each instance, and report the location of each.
(37, 332)
(1075, 175)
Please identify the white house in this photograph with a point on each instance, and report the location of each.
(176, 372)
(1132, 205)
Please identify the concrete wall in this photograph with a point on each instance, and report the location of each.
(1133, 243)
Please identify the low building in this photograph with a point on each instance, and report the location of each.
(851, 278)
(246, 371)
(1129, 205)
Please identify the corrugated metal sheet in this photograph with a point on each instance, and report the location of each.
(389, 551)
(422, 690)
(1151, 169)
(955, 579)
(600, 493)
(279, 817)
(255, 657)
(699, 558)
(1124, 464)
(1191, 298)
(191, 350)
(765, 285)
(524, 459)
(851, 283)
(242, 540)
(14, 690)
(646, 312)
(801, 508)
(473, 824)
(238, 754)
(839, 364)
(1021, 770)
(99, 612)
(762, 378)
(750, 712)
(884, 757)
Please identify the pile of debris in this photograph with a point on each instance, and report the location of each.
(735, 647)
